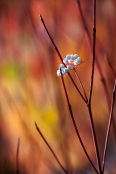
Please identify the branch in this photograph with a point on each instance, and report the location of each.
(81, 85)
(94, 138)
(60, 57)
(90, 44)
(74, 124)
(109, 125)
(92, 73)
(56, 158)
(17, 157)
(94, 42)
(91, 88)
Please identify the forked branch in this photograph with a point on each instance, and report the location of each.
(61, 57)
(74, 124)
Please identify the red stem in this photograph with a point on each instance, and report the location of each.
(109, 125)
(74, 124)
(17, 157)
(90, 44)
(94, 138)
(97, 63)
(56, 158)
(94, 44)
(81, 85)
(91, 88)
(92, 74)
(60, 57)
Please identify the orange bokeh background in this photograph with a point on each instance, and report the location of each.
(30, 90)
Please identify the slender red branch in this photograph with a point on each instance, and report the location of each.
(92, 74)
(97, 63)
(94, 44)
(81, 85)
(109, 125)
(77, 88)
(74, 124)
(108, 100)
(91, 47)
(60, 57)
(51, 38)
(94, 138)
(56, 158)
(91, 88)
(17, 157)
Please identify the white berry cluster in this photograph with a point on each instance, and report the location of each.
(70, 61)
(64, 69)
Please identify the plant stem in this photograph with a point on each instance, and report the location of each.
(56, 158)
(74, 124)
(51, 38)
(92, 74)
(81, 85)
(114, 76)
(91, 88)
(60, 57)
(77, 88)
(17, 157)
(94, 41)
(109, 125)
(94, 138)
(97, 63)
(91, 48)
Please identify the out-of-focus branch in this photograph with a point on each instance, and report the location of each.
(110, 66)
(109, 125)
(17, 157)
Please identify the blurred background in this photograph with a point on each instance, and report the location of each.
(30, 90)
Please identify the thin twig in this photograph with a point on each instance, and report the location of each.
(109, 125)
(56, 158)
(91, 88)
(17, 157)
(94, 138)
(97, 63)
(51, 38)
(61, 57)
(92, 74)
(91, 48)
(74, 124)
(81, 85)
(114, 76)
(77, 88)
(94, 44)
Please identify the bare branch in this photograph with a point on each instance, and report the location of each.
(65, 171)
(109, 125)
(17, 157)
(74, 124)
